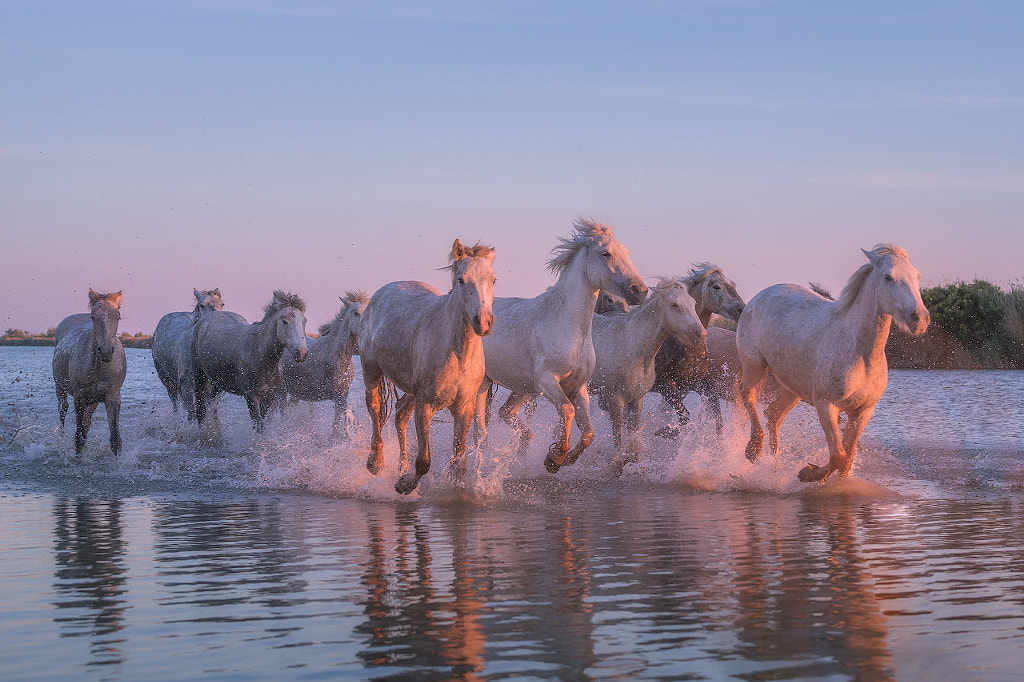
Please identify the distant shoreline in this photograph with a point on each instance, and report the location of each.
(145, 342)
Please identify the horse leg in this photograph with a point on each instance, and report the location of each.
(851, 434)
(558, 450)
(675, 397)
(828, 416)
(752, 372)
(83, 419)
(255, 414)
(113, 407)
(340, 426)
(777, 409)
(62, 405)
(631, 424)
(715, 408)
(403, 410)
(410, 479)
(581, 402)
(462, 416)
(200, 386)
(508, 414)
(373, 379)
(484, 397)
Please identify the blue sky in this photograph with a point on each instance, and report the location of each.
(324, 146)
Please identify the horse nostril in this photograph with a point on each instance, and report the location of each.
(914, 317)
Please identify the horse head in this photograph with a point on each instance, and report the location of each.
(714, 291)
(898, 286)
(610, 304)
(677, 311)
(353, 306)
(289, 323)
(105, 310)
(473, 284)
(207, 300)
(608, 265)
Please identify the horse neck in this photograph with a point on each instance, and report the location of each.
(268, 348)
(703, 311)
(458, 332)
(869, 324)
(644, 331)
(577, 294)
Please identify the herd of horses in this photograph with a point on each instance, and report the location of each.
(598, 329)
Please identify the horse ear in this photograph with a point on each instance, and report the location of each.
(196, 292)
(93, 296)
(116, 299)
(216, 292)
(873, 257)
(458, 250)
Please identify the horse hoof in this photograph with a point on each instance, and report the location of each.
(373, 465)
(406, 484)
(812, 473)
(753, 451)
(555, 459)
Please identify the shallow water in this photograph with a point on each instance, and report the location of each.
(236, 557)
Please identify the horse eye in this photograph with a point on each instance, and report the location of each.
(461, 281)
(888, 278)
(606, 254)
(675, 305)
(716, 287)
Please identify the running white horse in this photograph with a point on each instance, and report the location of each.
(245, 359)
(829, 354)
(89, 365)
(544, 345)
(625, 347)
(172, 350)
(428, 345)
(679, 370)
(327, 372)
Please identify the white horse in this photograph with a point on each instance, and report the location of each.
(89, 365)
(679, 370)
(327, 372)
(428, 345)
(626, 345)
(172, 349)
(829, 354)
(543, 345)
(245, 359)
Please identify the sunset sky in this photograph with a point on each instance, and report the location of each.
(320, 146)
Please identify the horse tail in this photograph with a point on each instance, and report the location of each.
(388, 398)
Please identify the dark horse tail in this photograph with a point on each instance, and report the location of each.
(388, 397)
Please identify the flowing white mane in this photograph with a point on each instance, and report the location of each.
(585, 231)
(699, 272)
(281, 301)
(856, 282)
(357, 296)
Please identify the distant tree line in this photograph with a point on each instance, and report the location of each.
(975, 325)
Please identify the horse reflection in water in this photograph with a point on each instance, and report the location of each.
(89, 550)
(417, 607)
(828, 354)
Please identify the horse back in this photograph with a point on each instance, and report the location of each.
(76, 324)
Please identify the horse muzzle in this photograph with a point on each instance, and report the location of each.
(300, 354)
(635, 294)
(106, 353)
(483, 325)
(918, 323)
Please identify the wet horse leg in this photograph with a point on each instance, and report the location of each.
(780, 405)
(675, 397)
(631, 424)
(113, 407)
(828, 415)
(255, 414)
(62, 405)
(509, 414)
(83, 419)
(558, 450)
(581, 402)
(462, 417)
(403, 410)
(373, 379)
(851, 434)
(752, 373)
(410, 479)
(484, 397)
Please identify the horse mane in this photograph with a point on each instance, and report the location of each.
(699, 272)
(114, 298)
(667, 284)
(350, 297)
(281, 301)
(478, 250)
(584, 230)
(856, 282)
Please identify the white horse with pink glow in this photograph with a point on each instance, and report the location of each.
(828, 354)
